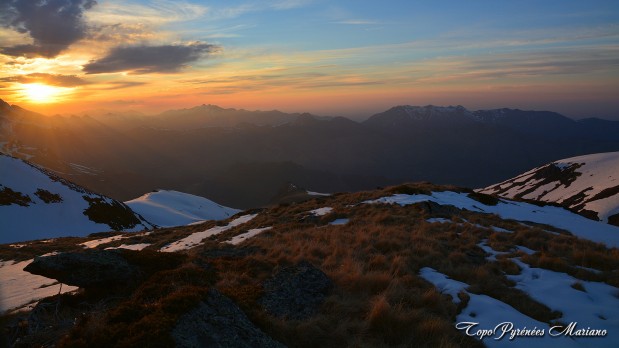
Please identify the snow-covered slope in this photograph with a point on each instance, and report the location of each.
(172, 208)
(588, 184)
(35, 204)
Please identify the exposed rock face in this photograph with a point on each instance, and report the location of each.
(93, 268)
(296, 292)
(218, 322)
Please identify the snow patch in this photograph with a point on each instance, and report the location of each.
(20, 288)
(137, 247)
(342, 221)
(247, 235)
(96, 242)
(321, 211)
(311, 193)
(195, 239)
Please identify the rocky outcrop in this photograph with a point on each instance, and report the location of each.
(219, 322)
(93, 268)
(296, 292)
(439, 210)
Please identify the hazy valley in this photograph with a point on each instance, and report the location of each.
(211, 152)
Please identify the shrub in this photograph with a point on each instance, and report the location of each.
(48, 197)
(8, 197)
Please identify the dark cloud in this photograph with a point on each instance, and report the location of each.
(48, 79)
(53, 24)
(149, 59)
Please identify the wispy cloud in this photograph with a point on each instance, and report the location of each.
(152, 13)
(257, 6)
(289, 4)
(125, 33)
(121, 84)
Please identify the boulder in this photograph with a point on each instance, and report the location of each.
(92, 268)
(219, 322)
(296, 292)
(438, 210)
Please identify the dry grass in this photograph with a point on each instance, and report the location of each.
(374, 261)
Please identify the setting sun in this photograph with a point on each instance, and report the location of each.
(39, 93)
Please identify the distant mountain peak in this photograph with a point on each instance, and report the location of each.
(211, 107)
(430, 108)
(429, 114)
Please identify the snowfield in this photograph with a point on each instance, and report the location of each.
(506, 209)
(172, 208)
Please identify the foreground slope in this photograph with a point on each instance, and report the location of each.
(587, 184)
(167, 208)
(400, 266)
(35, 204)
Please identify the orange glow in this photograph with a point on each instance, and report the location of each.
(42, 94)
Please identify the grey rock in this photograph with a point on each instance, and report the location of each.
(296, 292)
(219, 322)
(92, 268)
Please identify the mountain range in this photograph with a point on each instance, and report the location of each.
(394, 266)
(211, 152)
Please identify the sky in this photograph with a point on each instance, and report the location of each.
(350, 58)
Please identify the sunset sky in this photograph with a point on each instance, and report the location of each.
(351, 58)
